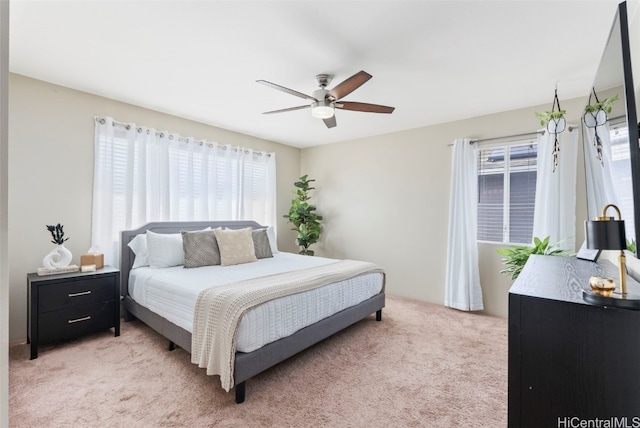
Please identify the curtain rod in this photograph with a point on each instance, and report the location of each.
(114, 122)
(570, 127)
(526, 134)
(474, 141)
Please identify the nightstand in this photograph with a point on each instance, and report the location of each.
(65, 306)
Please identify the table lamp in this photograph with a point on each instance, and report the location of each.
(607, 233)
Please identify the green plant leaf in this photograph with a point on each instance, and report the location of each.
(303, 216)
(516, 256)
(631, 245)
(546, 116)
(606, 105)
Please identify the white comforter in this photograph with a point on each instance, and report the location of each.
(172, 293)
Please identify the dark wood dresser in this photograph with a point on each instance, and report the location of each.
(65, 306)
(571, 361)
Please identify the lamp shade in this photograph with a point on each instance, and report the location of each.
(605, 234)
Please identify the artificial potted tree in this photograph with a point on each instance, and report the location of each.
(303, 216)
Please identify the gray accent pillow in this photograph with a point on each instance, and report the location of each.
(261, 243)
(200, 248)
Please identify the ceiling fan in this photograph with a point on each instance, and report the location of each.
(324, 102)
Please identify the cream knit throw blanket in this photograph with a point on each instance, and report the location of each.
(219, 309)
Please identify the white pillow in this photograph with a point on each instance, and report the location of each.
(273, 242)
(165, 249)
(139, 247)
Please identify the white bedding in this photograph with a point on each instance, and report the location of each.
(172, 293)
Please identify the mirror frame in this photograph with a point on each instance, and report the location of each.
(632, 118)
(621, 24)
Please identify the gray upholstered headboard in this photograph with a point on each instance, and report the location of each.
(127, 257)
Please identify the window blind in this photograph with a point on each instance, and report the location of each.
(506, 192)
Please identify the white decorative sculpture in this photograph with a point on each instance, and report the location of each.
(60, 256)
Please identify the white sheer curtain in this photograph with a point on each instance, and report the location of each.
(142, 175)
(462, 289)
(555, 205)
(599, 175)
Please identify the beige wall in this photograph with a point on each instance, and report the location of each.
(386, 199)
(51, 132)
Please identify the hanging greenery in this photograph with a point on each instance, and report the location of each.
(303, 216)
(596, 114)
(556, 123)
(548, 115)
(606, 105)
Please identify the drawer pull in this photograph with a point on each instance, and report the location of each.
(82, 293)
(79, 319)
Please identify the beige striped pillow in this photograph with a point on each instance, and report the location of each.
(236, 246)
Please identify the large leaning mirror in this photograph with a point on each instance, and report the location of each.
(611, 146)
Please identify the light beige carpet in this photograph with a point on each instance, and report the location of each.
(424, 365)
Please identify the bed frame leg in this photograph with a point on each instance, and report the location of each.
(240, 391)
(379, 315)
(172, 346)
(126, 315)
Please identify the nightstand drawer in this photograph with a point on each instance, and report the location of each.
(75, 292)
(76, 321)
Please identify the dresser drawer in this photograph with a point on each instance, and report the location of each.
(72, 322)
(75, 292)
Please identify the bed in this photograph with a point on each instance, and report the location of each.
(177, 328)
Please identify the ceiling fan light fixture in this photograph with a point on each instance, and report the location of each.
(324, 102)
(322, 109)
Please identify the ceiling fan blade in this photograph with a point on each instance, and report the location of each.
(330, 122)
(286, 90)
(369, 108)
(286, 109)
(351, 84)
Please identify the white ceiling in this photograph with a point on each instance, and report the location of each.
(435, 61)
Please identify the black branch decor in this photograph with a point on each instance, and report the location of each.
(57, 233)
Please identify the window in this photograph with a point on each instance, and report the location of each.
(507, 192)
(621, 170)
(141, 176)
